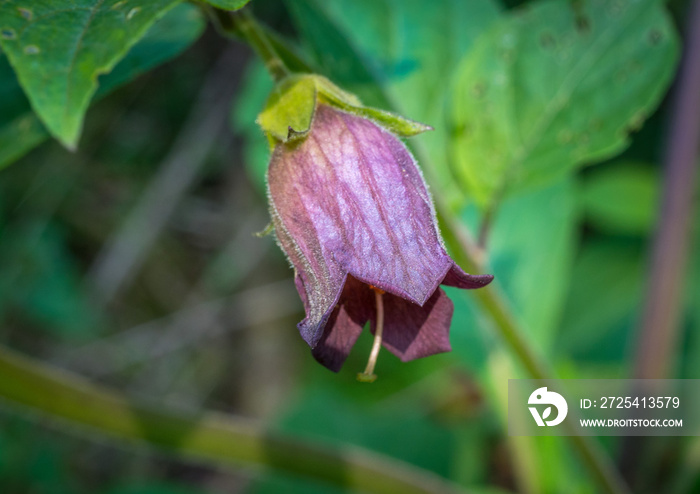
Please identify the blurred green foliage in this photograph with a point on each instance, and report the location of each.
(568, 243)
(21, 129)
(623, 198)
(228, 4)
(42, 282)
(59, 48)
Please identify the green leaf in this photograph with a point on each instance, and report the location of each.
(556, 86)
(531, 249)
(410, 48)
(21, 130)
(335, 55)
(59, 47)
(621, 198)
(603, 301)
(228, 4)
(167, 38)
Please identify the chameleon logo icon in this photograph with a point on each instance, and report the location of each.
(543, 397)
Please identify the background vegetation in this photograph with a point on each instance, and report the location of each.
(131, 260)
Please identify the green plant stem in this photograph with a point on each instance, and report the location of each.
(485, 227)
(493, 303)
(210, 437)
(243, 24)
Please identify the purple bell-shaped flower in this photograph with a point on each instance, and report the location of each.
(354, 216)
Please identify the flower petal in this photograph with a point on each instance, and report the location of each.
(412, 331)
(318, 282)
(353, 200)
(458, 278)
(349, 199)
(354, 309)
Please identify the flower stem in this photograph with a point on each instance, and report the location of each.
(243, 24)
(368, 375)
(493, 303)
(205, 437)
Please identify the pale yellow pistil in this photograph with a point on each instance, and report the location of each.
(368, 375)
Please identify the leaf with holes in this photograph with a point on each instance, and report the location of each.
(555, 86)
(59, 47)
(21, 130)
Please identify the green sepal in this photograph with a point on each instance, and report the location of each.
(268, 230)
(331, 94)
(290, 109)
(396, 124)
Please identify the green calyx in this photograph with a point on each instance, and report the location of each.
(290, 109)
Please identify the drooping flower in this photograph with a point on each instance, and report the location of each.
(354, 216)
